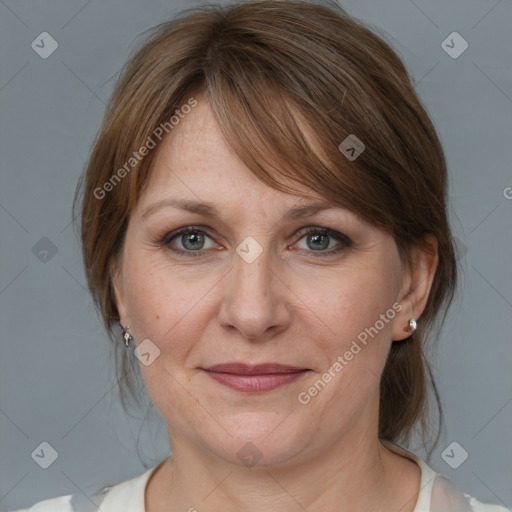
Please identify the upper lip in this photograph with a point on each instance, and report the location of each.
(250, 369)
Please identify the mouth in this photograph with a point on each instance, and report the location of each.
(254, 378)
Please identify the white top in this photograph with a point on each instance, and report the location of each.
(437, 494)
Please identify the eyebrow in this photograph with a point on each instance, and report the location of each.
(209, 210)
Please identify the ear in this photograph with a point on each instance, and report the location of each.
(116, 279)
(416, 284)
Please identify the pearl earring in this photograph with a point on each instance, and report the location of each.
(127, 337)
(411, 327)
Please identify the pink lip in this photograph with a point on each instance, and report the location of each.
(254, 378)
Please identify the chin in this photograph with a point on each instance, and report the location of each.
(258, 440)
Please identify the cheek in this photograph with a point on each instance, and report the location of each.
(165, 310)
(357, 314)
(152, 298)
(367, 309)
(356, 343)
(173, 305)
(164, 305)
(349, 305)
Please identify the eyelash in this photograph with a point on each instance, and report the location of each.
(344, 240)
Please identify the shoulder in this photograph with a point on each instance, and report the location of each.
(438, 493)
(60, 504)
(483, 507)
(127, 496)
(72, 502)
(446, 496)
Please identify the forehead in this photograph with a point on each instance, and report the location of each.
(196, 161)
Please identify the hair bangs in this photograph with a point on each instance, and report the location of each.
(277, 132)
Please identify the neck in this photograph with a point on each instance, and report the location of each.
(356, 474)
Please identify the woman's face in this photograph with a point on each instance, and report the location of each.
(249, 285)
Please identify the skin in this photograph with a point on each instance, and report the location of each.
(289, 306)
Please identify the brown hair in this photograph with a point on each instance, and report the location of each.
(254, 61)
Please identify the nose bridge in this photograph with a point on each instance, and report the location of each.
(251, 279)
(252, 302)
(251, 262)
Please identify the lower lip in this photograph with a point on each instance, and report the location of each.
(255, 383)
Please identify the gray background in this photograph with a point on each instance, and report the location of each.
(56, 375)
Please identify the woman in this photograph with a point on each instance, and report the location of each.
(264, 229)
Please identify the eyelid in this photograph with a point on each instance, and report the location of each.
(344, 240)
(325, 231)
(169, 236)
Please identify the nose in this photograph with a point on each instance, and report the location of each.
(255, 299)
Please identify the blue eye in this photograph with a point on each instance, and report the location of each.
(194, 241)
(318, 239)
